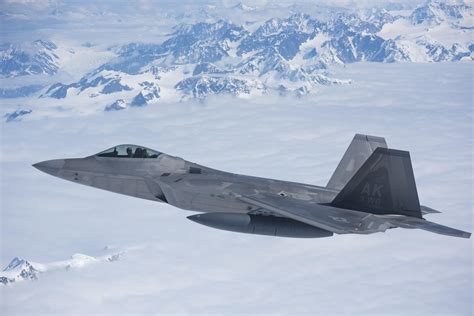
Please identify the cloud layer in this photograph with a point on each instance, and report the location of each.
(186, 268)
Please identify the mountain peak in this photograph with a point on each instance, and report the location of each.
(14, 264)
(243, 7)
(31, 58)
(437, 11)
(18, 269)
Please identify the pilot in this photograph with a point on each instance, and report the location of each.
(129, 152)
(138, 153)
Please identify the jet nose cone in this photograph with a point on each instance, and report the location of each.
(51, 167)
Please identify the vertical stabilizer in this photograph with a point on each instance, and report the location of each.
(385, 184)
(361, 147)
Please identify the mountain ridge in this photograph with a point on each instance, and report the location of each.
(294, 54)
(21, 270)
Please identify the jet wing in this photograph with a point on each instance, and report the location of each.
(343, 221)
(336, 220)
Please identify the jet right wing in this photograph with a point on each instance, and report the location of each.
(343, 221)
(333, 219)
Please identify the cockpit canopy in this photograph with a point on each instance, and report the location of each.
(129, 151)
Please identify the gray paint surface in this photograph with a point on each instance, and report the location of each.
(373, 189)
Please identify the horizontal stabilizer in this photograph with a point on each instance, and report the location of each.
(412, 222)
(428, 210)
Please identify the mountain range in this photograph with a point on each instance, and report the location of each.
(20, 269)
(292, 55)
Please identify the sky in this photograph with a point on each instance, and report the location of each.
(180, 267)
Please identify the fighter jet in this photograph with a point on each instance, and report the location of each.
(372, 189)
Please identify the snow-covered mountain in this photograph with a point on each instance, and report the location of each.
(16, 115)
(21, 269)
(18, 270)
(438, 11)
(293, 54)
(38, 57)
(27, 68)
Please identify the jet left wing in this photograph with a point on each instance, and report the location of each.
(333, 219)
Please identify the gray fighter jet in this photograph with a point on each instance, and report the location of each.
(373, 189)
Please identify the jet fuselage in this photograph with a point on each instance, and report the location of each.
(372, 189)
(178, 182)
